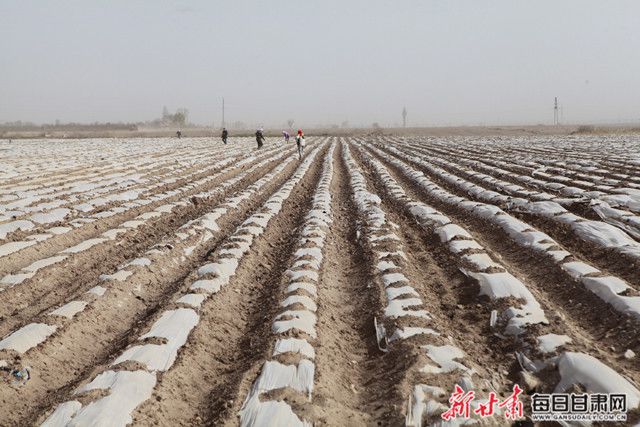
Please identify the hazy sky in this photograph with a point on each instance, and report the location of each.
(321, 62)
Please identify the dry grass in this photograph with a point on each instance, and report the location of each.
(345, 132)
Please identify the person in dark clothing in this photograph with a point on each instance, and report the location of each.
(260, 137)
(225, 134)
(179, 134)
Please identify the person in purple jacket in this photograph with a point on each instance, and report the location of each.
(285, 134)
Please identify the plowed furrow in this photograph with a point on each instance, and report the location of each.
(591, 204)
(567, 298)
(203, 287)
(580, 345)
(51, 280)
(108, 194)
(160, 207)
(106, 323)
(602, 244)
(17, 254)
(421, 362)
(186, 239)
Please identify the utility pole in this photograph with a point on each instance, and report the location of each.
(555, 111)
(223, 112)
(404, 117)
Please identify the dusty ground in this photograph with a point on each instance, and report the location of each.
(159, 210)
(200, 132)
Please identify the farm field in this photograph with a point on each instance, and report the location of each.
(185, 282)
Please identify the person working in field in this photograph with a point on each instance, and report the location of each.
(285, 134)
(260, 137)
(300, 142)
(225, 134)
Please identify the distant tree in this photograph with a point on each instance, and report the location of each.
(344, 124)
(290, 123)
(182, 116)
(165, 113)
(179, 118)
